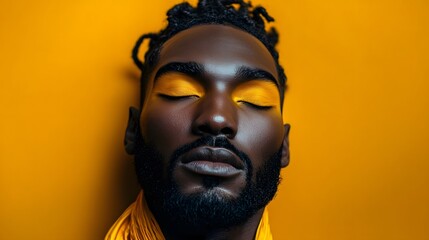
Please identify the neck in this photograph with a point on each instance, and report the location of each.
(245, 231)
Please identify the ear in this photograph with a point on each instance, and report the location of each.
(132, 133)
(285, 151)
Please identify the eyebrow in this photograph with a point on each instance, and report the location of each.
(197, 70)
(189, 68)
(247, 74)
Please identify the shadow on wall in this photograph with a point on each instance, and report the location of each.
(122, 186)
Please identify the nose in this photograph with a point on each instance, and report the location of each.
(216, 116)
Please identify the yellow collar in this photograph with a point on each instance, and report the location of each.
(138, 223)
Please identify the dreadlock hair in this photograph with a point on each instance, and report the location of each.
(182, 16)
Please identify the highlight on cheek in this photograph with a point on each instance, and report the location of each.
(177, 85)
(262, 94)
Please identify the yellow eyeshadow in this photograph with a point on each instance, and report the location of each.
(178, 85)
(257, 92)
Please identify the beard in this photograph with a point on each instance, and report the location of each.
(210, 209)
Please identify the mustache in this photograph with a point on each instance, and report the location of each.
(212, 141)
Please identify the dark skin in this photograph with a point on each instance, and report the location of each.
(210, 60)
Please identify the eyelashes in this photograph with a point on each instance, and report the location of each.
(184, 97)
(253, 105)
(175, 98)
(261, 96)
(176, 86)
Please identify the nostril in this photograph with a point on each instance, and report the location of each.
(204, 129)
(207, 129)
(214, 124)
(227, 131)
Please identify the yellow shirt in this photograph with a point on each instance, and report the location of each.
(138, 223)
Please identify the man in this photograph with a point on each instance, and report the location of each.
(208, 140)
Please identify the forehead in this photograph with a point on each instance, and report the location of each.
(220, 49)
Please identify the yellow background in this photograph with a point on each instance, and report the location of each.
(358, 104)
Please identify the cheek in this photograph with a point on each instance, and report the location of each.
(165, 127)
(260, 136)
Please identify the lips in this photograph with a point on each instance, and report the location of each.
(219, 162)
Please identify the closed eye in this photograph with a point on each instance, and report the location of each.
(258, 107)
(175, 98)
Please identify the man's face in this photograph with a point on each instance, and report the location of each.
(211, 122)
